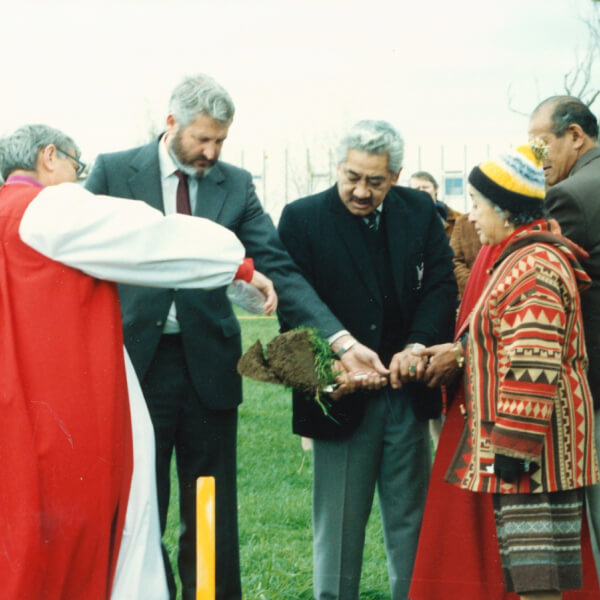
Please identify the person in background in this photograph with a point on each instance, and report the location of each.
(185, 344)
(424, 181)
(386, 251)
(465, 244)
(565, 133)
(78, 507)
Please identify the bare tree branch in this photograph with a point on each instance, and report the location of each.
(578, 81)
(592, 98)
(509, 96)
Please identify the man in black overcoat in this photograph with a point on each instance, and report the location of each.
(377, 255)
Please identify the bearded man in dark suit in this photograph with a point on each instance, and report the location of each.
(378, 256)
(184, 344)
(565, 132)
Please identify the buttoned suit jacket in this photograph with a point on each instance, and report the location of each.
(326, 242)
(575, 204)
(209, 328)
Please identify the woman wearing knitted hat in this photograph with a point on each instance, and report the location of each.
(527, 435)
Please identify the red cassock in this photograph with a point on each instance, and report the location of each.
(65, 442)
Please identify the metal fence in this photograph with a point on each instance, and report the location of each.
(282, 176)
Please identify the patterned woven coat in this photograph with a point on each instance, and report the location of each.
(526, 390)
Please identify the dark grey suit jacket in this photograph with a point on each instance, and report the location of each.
(575, 204)
(210, 331)
(326, 242)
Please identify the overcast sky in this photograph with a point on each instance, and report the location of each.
(299, 71)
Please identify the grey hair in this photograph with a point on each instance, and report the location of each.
(526, 215)
(567, 110)
(20, 150)
(501, 212)
(374, 137)
(200, 94)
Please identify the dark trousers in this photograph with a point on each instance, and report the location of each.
(389, 452)
(205, 444)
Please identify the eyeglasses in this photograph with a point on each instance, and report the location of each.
(80, 164)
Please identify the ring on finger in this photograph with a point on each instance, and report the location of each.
(412, 369)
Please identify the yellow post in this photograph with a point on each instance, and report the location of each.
(205, 538)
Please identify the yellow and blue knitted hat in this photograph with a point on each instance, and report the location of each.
(513, 181)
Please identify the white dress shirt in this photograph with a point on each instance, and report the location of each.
(169, 182)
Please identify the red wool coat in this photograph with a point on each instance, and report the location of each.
(65, 439)
(458, 556)
(526, 390)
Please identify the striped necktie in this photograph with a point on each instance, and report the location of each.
(372, 220)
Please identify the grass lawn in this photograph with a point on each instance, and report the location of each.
(274, 493)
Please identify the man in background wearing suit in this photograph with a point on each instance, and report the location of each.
(185, 344)
(565, 132)
(378, 256)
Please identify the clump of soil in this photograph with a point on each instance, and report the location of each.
(297, 359)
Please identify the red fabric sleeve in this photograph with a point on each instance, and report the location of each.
(246, 270)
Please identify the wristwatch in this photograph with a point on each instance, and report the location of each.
(460, 358)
